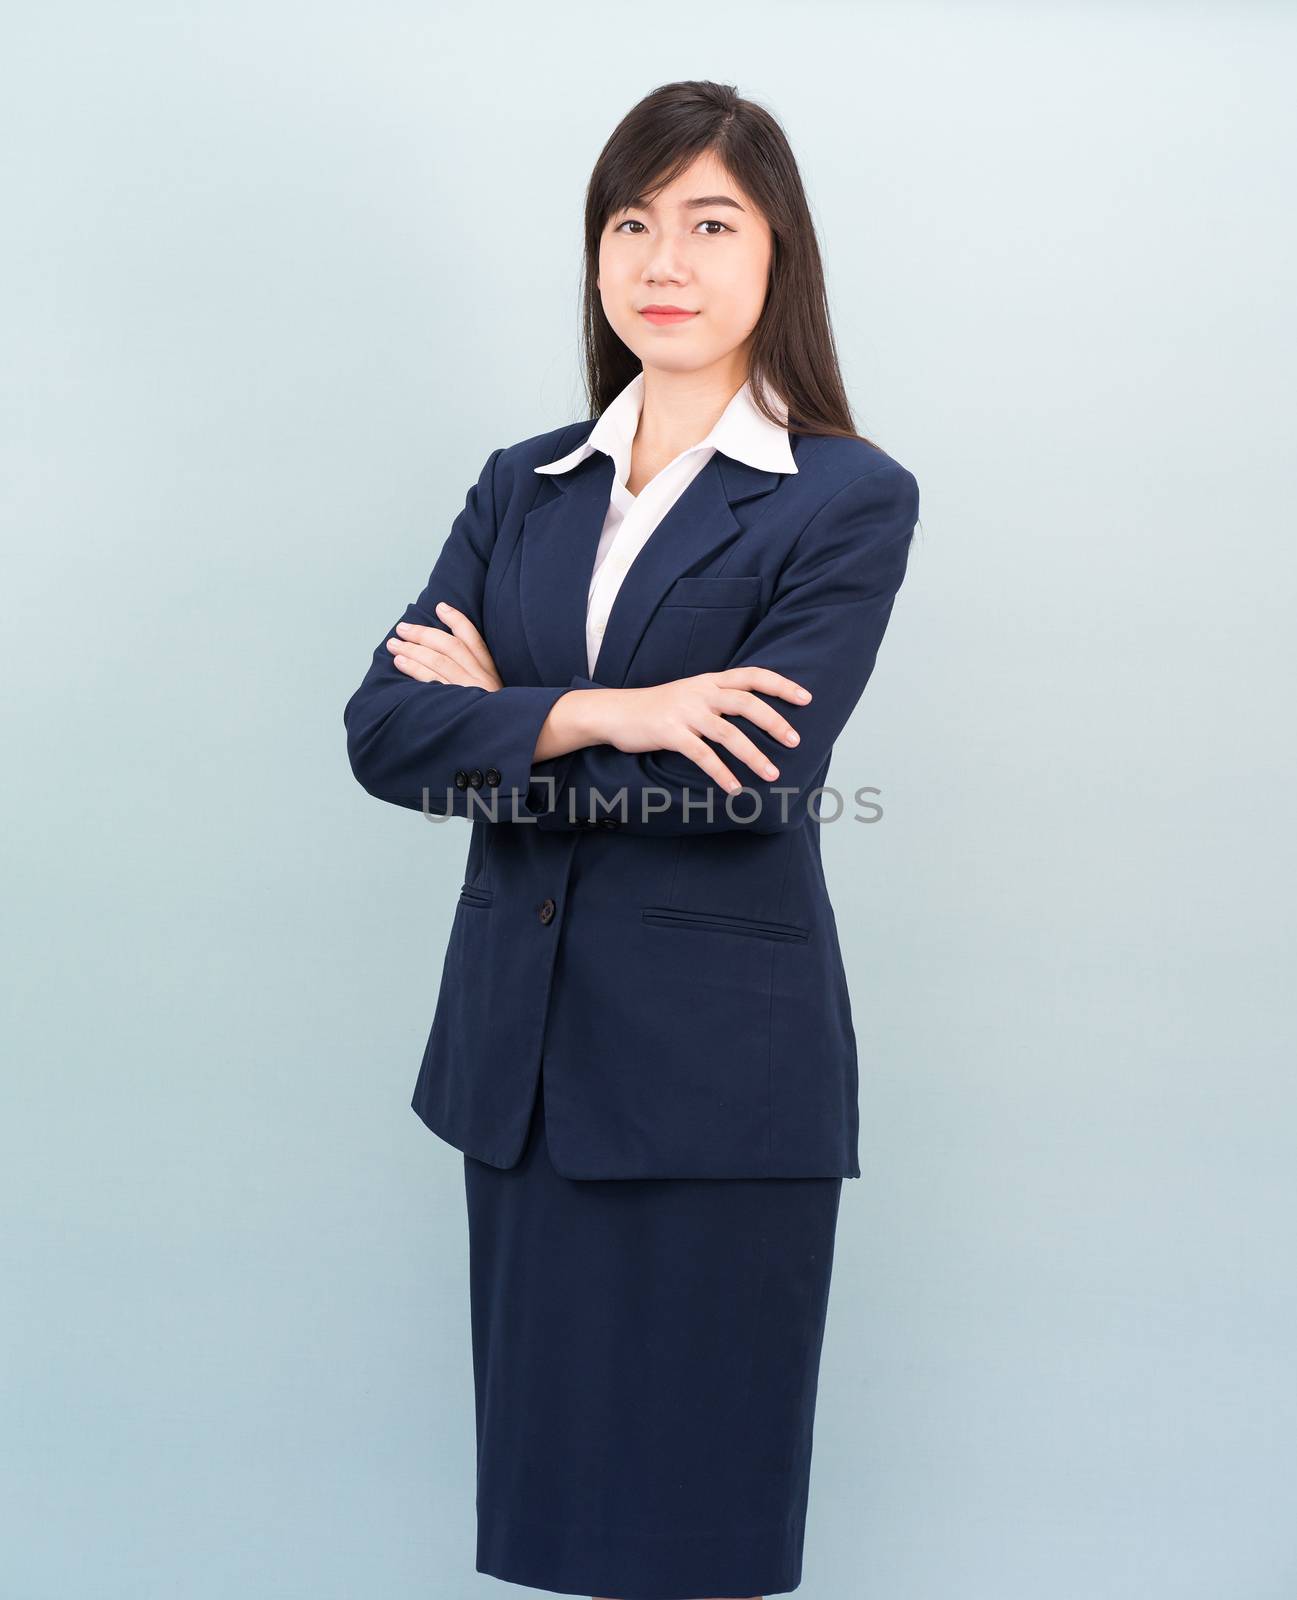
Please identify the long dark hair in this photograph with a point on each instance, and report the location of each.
(792, 349)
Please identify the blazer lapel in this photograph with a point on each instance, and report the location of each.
(559, 540)
(561, 537)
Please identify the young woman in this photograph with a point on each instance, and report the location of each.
(628, 670)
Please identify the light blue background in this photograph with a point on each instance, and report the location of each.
(276, 280)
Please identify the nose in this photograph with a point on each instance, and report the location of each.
(665, 263)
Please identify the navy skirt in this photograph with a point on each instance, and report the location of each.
(646, 1353)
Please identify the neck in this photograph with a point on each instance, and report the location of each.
(680, 408)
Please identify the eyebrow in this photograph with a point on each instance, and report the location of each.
(696, 204)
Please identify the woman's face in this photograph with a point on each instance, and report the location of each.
(700, 246)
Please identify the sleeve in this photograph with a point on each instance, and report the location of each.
(823, 629)
(449, 749)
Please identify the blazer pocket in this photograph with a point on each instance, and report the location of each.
(724, 922)
(714, 592)
(473, 894)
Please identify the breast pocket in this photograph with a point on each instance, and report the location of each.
(705, 620)
(708, 593)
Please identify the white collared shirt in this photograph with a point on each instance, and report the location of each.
(741, 431)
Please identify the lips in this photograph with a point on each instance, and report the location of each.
(666, 314)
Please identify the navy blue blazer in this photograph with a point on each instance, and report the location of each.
(677, 964)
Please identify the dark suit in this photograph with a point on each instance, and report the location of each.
(680, 971)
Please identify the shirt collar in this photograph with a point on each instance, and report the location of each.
(741, 432)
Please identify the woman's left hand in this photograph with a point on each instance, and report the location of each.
(434, 656)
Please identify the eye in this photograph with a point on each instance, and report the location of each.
(711, 222)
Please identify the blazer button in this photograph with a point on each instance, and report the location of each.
(475, 778)
(461, 778)
(493, 776)
(547, 911)
(609, 822)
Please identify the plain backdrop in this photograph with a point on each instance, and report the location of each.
(276, 279)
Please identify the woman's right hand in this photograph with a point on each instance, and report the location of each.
(682, 714)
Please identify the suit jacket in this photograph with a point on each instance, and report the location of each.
(676, 965)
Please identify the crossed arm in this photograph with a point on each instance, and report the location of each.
(431, 725)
